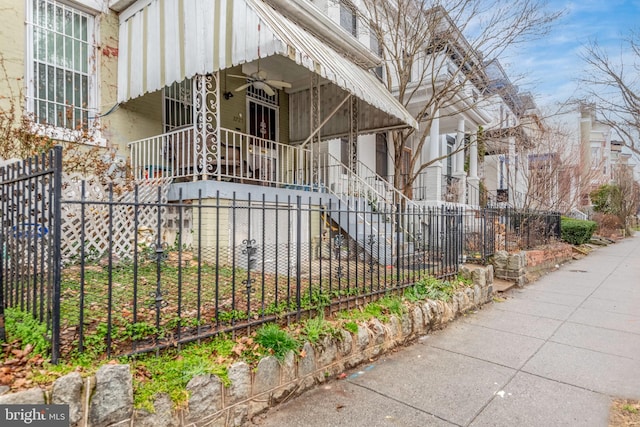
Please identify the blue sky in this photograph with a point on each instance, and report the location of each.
(550, 67)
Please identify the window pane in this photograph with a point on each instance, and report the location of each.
(78, 118)
(83, 57)
(68, 88)
(41, 78)
(51, 47)
(50, 83)
(77, 99)
(85, 92)
(68, 23)
(83, 28)
(60, 116)
(50, 16)
(42, 112)
(59, 50)
(59, 20)
(59, 83)
(77, 58)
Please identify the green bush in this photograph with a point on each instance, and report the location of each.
(577, 231)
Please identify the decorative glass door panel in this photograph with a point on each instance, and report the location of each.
(263, 124)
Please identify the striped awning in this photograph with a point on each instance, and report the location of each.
(166, 41)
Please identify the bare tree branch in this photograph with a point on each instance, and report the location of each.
(435, 53)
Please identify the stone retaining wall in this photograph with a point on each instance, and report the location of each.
(526, 266)
(106, 399)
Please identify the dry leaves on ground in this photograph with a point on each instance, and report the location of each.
(625, 413)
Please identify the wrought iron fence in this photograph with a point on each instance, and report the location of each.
(492, 229)
(128, 273)
(136, 273)
(30, 193)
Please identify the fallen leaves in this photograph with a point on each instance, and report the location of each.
(18, 365)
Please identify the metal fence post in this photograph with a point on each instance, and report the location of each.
(298, 254)
(56, 253)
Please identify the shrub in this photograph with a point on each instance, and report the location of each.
(577, 231)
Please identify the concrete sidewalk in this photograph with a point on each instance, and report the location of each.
(552, 354)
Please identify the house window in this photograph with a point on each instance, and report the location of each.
(376, 47)
(382, 154)
(61, 61)
(450, 144)
(178, 105)
(348, 18)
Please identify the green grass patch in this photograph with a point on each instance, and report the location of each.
(21, 325)
(276, 340)
(316, 328)
(171, 371)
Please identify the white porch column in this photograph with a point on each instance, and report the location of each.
(432, 178)
(459, 163)
(206, 142)
(511, 171)
(473, 181)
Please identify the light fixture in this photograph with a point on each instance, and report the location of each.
(227, 95)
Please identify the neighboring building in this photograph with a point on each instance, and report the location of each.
(508, 139)
(586, 155)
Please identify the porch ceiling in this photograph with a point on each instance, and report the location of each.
(164, 41)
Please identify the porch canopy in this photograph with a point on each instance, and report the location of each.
(166, 41)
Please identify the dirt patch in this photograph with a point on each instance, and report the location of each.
(624, 413)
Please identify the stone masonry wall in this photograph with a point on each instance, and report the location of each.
(525, 266)
(106, 399)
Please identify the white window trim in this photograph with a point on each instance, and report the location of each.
(55, 132)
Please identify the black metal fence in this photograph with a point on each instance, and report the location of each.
(492, 229)
(211, 266)
(30, 193)
(120, 274)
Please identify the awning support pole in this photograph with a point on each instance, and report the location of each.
(324, 122)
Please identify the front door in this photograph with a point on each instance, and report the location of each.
(263, 124)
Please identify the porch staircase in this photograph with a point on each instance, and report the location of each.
(372, 219)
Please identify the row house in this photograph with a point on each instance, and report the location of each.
(234, 97)
(224, 98)
(508, 139)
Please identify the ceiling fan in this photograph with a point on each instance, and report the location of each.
(259, 81)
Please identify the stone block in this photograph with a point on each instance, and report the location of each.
(395, 329)
(267, 375)
(240, 376)
(345, 343)
(163, 414)
(33, 396)
(500, 259)
(489, 274)
(406, 324)
(327, 351)
(112, 400)
(362, 338)
(378, 332)
(67, 390)
(479, 277)
(205, 396)
(477, 295)
(307, 364)
(417, 318)
(288, 367)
